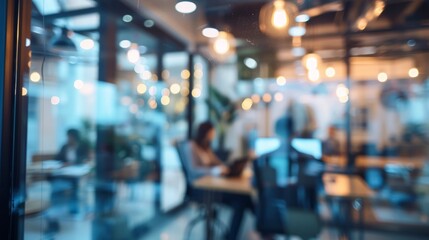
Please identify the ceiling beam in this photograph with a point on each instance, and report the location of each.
(410, 9)
(71, 13)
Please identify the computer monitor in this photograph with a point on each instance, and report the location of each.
(309, 146)
(266, 145)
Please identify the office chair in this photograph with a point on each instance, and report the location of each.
(278, 209)
(192, 194)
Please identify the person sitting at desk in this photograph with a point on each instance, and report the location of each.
(205, 162)
(331, 145)
(73, 151)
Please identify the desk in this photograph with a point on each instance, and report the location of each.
(365, 162)
(347, 190)
(213, 184)
(240, 185)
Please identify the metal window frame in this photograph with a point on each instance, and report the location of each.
(14, 30)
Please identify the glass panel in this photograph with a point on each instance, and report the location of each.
(146, 116)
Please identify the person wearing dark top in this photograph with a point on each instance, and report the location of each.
(205, 162)
(73, 151)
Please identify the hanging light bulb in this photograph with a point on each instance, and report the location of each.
(223, 46)
(279, 19)
(276, 17)
(311, 61)
(133, 53)
(313, 75)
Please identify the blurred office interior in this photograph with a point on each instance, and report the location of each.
(326, 100)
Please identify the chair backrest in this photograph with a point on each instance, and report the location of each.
(185, 155)
(277, 210)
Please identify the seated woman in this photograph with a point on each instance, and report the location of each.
(205, 162)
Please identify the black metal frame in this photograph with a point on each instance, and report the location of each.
(14, 30)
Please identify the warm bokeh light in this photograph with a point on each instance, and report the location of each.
(165, 100)
(141, 88)
(78, 84)
(24, 91)
(382, 77)
(185, 74)
(413, 72)
(247, 104)
(266, 97)
(55, 100)
(146, 75)
(278, 97)
(311, 61)
(313, 75)
(341, 91)
(281, 81)
(279, 19)
(175, 88)
(35, 77)
(196, 92)
(152, 103)
(221, 46)
(256, 98)
(87, 44)
(133, 54)
(165, 92)
(330, 72)
(343, 99)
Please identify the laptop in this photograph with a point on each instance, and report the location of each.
(236, 167)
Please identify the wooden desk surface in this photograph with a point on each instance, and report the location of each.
(346, 186)
(240, 185)
(364, 162)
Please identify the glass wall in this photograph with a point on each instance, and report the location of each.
(108, 97)
(114, 86)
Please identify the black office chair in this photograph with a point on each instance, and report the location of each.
(278, 210)
(192, 194)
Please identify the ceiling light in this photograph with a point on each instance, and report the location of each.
(281, 81)
(302, 18)
(149, 23)
(276, 17)
(210, 32)
(330, 72)
(87, 44)
(313, 75)
(127, 18)
(222, 46)
(297, 31)
(311, 61)
(185, 7)
(133, 54)
(382, 77)
(63, 42)
(413, 72)
(124, 44)
(250, 63)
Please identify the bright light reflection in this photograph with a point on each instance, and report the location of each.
(35, 77)
(185, 7)
(78, 84)
(413, 72)
(210, 32)
(87, 44)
